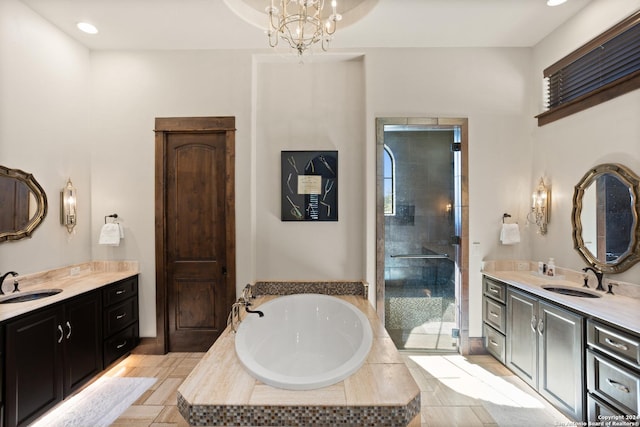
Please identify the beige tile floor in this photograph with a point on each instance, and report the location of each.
(456, 391)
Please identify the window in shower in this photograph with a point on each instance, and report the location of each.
(421, 244)
(389, 183)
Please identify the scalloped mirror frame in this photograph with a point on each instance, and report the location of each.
(41, 204)
(632, 255)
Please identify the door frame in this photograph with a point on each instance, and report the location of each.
(165, 126)
(466, 346)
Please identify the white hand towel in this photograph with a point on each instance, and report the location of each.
(110, 234)
(510, 234)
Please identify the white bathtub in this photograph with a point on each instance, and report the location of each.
(304, 341)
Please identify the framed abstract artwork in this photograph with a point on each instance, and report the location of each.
(309, 185)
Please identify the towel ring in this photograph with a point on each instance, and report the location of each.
(114, 216)
(505, 215)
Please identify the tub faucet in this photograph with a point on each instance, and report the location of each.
(599, 275)
(15, 281)
(247, 296)
(244, 301)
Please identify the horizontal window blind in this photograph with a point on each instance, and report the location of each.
(604, 68)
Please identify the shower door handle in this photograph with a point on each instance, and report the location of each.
(456, 240)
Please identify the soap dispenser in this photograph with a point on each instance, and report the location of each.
(551, 268)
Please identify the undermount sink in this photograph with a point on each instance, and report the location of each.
(568, 290)
(31, 296)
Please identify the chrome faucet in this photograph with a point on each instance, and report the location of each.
(244, 301)
(15, 281)
(599, 275)
(247, 296)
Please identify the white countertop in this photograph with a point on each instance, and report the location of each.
(71, 286)
(616, 309)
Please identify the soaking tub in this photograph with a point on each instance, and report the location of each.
(304, 341)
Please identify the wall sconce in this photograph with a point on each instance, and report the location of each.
(540, 207)
(68, 206)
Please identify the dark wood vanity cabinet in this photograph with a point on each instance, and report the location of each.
(51, 352)
(613, 373)
(545, 348)
(120, 318)
(494, 315)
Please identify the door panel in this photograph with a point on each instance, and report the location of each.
(196, 231)
(561, 359)
(522, 345)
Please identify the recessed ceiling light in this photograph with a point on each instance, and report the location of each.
(87, 28)
(555, 2)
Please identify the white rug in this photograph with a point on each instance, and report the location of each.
(97, 405)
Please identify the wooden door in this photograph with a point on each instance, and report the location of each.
(195, 230)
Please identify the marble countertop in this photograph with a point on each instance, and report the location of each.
(616, 309)
(86, 280)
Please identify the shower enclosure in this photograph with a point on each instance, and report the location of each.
(421, 192)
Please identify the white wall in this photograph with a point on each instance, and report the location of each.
(310, 106)
(129, 90)
(44, 84)
(100, 109)
(487, 86)
(564, 150)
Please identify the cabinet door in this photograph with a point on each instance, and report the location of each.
(82, 340)
(34, 365)
(522, 342)
(561, 359)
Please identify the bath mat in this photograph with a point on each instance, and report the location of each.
(98, 405)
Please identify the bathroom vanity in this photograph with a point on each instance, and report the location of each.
(581, 354)
(52, 346)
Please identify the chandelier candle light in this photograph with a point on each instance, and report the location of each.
(301, 24)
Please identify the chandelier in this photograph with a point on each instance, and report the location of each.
(301, 23)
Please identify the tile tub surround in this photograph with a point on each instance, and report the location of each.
(219, 391)
(618, 309)
(90, 275)
(326, 288)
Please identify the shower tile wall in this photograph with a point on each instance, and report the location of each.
(420, 291)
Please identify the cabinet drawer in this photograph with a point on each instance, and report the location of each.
(494, 314)
(120, 344)
(614, 342)
(598, 409)
(120, 291)
(118, 316)
(613, 382)
(494, 289)
(495, 343)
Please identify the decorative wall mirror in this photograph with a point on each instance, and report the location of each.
(606, 232)
(23, 204)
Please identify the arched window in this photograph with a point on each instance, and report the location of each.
(388, 181)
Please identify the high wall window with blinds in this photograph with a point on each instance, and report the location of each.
(606, 67)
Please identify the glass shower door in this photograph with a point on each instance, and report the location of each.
(420, 243)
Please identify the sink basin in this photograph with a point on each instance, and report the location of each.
(31, 296)
(568, 290)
